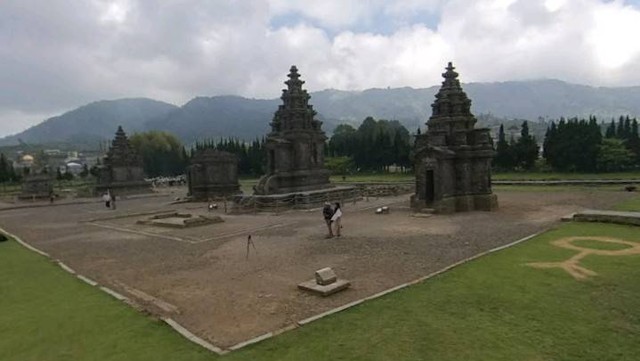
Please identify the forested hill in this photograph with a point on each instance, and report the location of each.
(94, 122)
(223, 116)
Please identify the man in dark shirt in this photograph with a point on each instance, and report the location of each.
(327, 213)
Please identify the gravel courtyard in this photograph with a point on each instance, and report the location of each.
(201, 277)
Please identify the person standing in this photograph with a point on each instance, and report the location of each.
(336, 219)
(106, 198)
(327, 213)
(113, 201)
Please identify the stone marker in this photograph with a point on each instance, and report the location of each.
(326, 283)
(325, 276)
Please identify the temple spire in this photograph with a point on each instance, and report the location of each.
(295, 111)
(452, 107)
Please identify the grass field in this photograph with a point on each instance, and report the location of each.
(630, 205)
(46, 314)
(560, 176)
(494, 308)
(408, 177)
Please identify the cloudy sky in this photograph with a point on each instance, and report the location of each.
(56, 55)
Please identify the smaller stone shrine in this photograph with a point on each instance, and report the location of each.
(452, 158)
(295, 145)
(37, 186)
(122, 170)
(212, 174)
(325, 283)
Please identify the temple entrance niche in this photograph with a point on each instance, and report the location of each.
(429, 187)
(452, 158)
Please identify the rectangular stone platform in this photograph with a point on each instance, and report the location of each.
(324, 290)
(629, 218)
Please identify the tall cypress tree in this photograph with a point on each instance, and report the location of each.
(503, 154)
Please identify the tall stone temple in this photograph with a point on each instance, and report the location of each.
(122, 169)
(452, 158)
(295, 145)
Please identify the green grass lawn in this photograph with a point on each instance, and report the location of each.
(408, 177)
(631, 205)
(560, 176)
(47, 314)
(494, 308)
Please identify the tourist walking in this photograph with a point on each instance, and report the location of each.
(113, 201)
(327, 213)
(336, 219)
(106, 198)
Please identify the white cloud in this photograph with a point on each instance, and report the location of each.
(60, 54)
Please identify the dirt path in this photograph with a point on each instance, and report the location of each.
(572, 264)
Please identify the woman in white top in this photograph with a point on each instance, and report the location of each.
(336, 219)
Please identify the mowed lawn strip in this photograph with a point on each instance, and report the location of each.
(494, 308)
(631, 205)
(47, 314)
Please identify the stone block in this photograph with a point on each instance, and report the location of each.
(325, 276)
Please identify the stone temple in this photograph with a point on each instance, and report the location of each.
(36, 186)
(295, 145)
(452, 158)
(122, 169)
(212, 174)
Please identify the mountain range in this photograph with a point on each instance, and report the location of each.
(222, 116)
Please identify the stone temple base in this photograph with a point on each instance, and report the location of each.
(212, 191)
(124, 188)
(179, 220)
(296, 200)
(466, 203)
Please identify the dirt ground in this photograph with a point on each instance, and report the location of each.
(200, 276)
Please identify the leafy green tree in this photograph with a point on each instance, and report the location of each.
(614, 156)
(162, 153)
(85, 171)
(339, 165)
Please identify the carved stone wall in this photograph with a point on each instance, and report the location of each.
(213, 174)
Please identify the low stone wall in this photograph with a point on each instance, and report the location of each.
(628, 218)
(380, 189)
(297, 200)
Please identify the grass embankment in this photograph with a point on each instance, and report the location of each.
(494, 308)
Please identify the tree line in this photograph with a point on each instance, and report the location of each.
(573, 145)
(251, 155)
(375, 146)
(7, 173)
